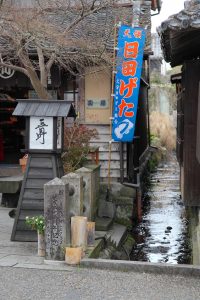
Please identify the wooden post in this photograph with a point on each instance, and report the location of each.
(90, 233)
(41, 244)
(136, 13)
(79, 232)
(73, 255)
(139, 204)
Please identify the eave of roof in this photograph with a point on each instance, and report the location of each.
(156, 5)
(44, 108)
(176, 78)
(180, 34)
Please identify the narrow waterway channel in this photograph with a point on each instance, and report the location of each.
(162, 236)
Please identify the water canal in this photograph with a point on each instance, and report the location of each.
(162, 236)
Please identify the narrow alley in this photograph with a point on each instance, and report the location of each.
(163, 234)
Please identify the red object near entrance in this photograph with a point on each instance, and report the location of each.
(1, 146)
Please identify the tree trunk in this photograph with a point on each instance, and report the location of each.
(35, 81)
(37, 85)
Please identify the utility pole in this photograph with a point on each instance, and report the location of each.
(136, 13)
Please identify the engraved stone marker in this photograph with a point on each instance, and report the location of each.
(57, 221)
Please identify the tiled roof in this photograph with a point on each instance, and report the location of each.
(95, 27)
(180, 34)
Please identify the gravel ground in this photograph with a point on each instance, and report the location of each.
(94, 284)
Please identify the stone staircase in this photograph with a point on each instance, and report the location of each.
(122, 203)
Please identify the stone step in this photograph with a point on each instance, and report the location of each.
(116, 235)
(128, 192)
(112, 240)
(103, 224)
(10, 170)
(117, 189)
(122, 200)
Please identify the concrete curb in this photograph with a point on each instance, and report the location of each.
(135, 266)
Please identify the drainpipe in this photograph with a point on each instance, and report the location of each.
(121, 162)
(148, 116)
(155, 14)
(135, 23)
(158, 8)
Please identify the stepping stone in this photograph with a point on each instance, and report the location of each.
(103, 224)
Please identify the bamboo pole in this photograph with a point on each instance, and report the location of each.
(79, 232)
(73, 255)
(111, 107)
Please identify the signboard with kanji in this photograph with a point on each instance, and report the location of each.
(41, 133)
(130, 51)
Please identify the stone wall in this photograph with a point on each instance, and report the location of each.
(123, 200)
(194, 228)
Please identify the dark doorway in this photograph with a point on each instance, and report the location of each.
(12, 129)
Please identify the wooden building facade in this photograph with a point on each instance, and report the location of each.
(187, 146)
(126, 158)
(181, 46)
(91, 96)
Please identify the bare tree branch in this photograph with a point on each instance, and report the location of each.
(69, 33)
(50, 62)
(13, 67)
(43, 73)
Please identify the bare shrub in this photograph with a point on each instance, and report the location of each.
(162, 130)
(76, 146)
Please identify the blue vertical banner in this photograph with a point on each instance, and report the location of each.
(131, 42)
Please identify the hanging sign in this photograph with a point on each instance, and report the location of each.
(130, 51)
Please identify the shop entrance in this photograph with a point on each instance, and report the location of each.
(12, 129)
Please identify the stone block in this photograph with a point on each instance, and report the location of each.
(57, 221)
(103, 224)
(124, 201)
(106, 209)
(75, 182)
(128, 192)
(91, 190)
(96, 176)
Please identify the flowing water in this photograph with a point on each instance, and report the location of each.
(162, 236)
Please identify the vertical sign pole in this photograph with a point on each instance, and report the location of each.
(136, 13)
(111, 106)
(131, 43)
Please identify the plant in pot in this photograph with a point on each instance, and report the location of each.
(37, 223)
